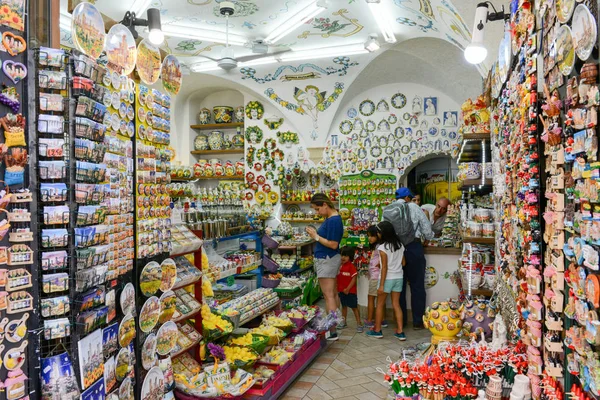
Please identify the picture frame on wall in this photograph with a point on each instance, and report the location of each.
(450, 118)
(430, 105)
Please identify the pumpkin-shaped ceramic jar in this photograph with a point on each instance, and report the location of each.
(223, 114)
(201, 142)
(215, 140)
(443, 320)
(204, 116)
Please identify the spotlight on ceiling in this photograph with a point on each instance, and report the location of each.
(155, 33)
(372, 44)
(475, 52)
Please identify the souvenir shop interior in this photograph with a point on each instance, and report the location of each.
(186, 189)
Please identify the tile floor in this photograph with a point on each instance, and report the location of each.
(347, 368)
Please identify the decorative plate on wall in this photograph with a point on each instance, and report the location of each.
(346, 127)
(352, 113)
(564, 9)
(383, 106)
(392, 119)
(370, 126)
(366, 108)
(358, 124)
(399, 132)
(584, 31)
(565, 52)
(433, 131)
(398, 100)
(383, 126)
(375, 151)
(148, 63)
(121, 49)
(88, 29)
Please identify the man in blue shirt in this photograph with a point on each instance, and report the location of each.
(414, 270)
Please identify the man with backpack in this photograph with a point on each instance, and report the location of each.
(411, 225)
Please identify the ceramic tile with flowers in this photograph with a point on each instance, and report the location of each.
(12, 13)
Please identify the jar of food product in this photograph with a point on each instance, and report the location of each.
(487, 229)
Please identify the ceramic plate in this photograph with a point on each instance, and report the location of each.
(399, 132)
(121, 49)
(565, 53)
(383, 106)
(154, 385)
(405, 149)
(126, 330)
(167, 306)
(366, 108)
(452, 135)
(355, 136)
(436, 121)
(370, 126)
(584, 31)
(383, 126)
(148, 62)
(444, 132)
(142, 132)
(398, 100)
(346, 127)
(433, 131)
(123, 360)
(363, 134)
(564, 9)
(167, 338)
(88, 30)
(392, 119)
(375, 151)
(352, 113)
(149, 314)
(383, 141)
(127, 299)
(150, 278)
(169, 274)
(171, 74)
(149, 352)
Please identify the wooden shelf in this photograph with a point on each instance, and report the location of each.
(477, 136)
(476, 182)
(207, 127)
(442, 250)
(481, 292)
(222, 178)
(479, 240)
(303, 220)
(183, 179)
(188, 315)
(217, 152)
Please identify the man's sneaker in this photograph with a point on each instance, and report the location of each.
(419, 327)
(331, 336)
(384, 324)
(342, 324)
(369, 324)
(360, 329)
(376, 335)
(400, 336)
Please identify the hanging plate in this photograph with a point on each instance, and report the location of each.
(358, 124)
(433, 131)
(370, 126)
(383, 126)
(148, 62)
(584, 31)
(88, 30)
(398, 100)
(383, 106)
(366, 108)
(346, 127)
(564, 9)
(399, 132)
(121, 49)
(352, 113)
(565, 52)
(392, 119)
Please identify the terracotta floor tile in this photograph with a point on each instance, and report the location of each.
(313, 371)
(303, 385)
(346, 391)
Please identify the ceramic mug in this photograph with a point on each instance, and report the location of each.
(473, 170)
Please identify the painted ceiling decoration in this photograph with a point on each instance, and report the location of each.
(302, 72)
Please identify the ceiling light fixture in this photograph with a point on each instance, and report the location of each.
(203, 35)
(382, 18)
(476, 52)
(372, 44)
(324, 52)
(205, 67)
(155, 35)
(303, 16)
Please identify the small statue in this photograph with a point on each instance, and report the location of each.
(499, 334)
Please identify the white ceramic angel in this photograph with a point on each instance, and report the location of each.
(499, 333)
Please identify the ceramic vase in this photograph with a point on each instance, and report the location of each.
(204, 116)
(237, 140)
(223, 114)
(201, 142)
(473, 171)
(239, 114)
(215, 140)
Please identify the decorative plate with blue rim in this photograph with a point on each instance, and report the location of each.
(398, 100)
(383, 141)
(406, 116)
(433, 131)
(436, 121)
(370, 126)
(444, 132)
(346, 127)
(351, 113)
(399, 132)
(392, 119)
(363, 134)
(452, 135)
(366, 108)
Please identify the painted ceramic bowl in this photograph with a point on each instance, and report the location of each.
(201, 143)
(223, 114)
(473, 171)
(204, 116)
(215, 140)
(443, 320)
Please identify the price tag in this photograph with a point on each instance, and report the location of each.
(231, 280)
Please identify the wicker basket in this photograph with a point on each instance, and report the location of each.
(270, 264)
(270, 283)
(269, 242)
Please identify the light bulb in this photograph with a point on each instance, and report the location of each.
(156, 36)
(475, 53)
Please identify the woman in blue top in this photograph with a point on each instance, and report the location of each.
(327, 250)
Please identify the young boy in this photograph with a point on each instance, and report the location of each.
(346, 282)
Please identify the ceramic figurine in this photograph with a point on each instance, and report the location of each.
(204, 116)
(499, 333)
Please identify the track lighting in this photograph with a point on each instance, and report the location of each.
(155, 34)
